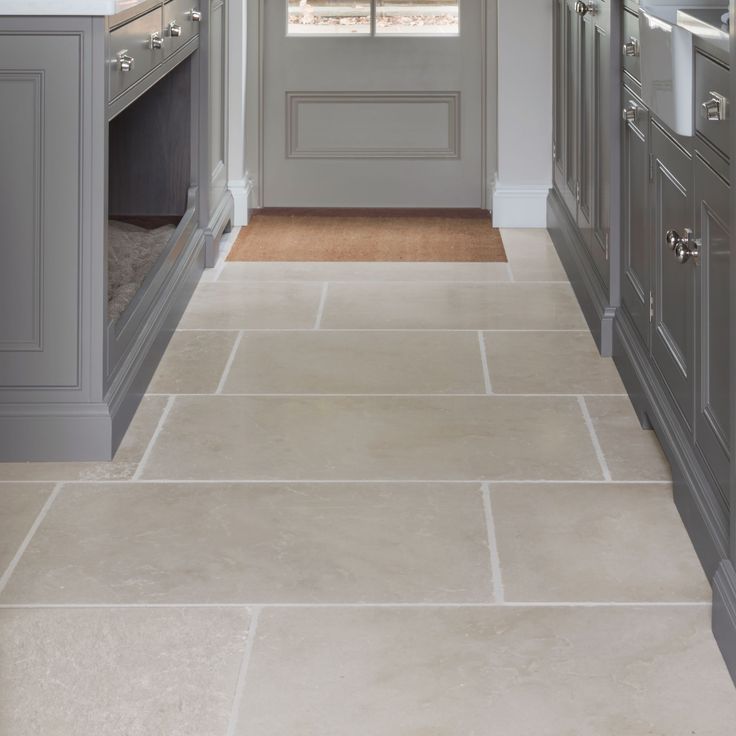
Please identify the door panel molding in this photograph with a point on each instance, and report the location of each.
(298, 131)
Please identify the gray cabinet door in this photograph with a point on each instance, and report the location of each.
(569, 92)
(672, 335)
(712, 422)
(41, 234)
(593, 144)
(636, 221)
(217, 101)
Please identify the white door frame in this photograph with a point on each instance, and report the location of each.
(246, 103)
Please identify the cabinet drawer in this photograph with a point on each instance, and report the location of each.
(134, 41)
(632, 64)
(711, 84)
(180, 23)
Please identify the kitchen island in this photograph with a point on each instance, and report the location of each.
(112, 201)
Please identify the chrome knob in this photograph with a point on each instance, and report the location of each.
(673, 239)
(631, 113)
(583, 8)
(631, 47)
(125, 61)
(716, 108)
(174, 29)
(685, 251)
(195, 15)
(157, 40)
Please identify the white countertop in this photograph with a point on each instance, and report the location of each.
(66, 7)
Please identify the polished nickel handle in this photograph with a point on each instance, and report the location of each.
(174, 29)
(673, 239)
(157, 40)
(631, 47)
(583, 8)
(125, 61)
(195, 15)
(631, 113)
(685, 251)
(716, 108)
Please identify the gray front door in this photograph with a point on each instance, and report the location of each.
(373, 103)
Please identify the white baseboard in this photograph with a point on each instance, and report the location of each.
(241, 190)
(519, 206)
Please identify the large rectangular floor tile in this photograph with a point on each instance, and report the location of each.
(253, 306)
(452, 306)
(631, 452)
(19, 507)
(357, 362)
(119, 672)
(212, 543)
(193, 363)
(297, 271)
(373, 438)
(124, 465)
(517, 672)
(532, 256)
(549, 363)
(594, 543)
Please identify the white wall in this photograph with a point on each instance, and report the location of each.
(524, 173)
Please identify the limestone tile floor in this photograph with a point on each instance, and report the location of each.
(364, 499)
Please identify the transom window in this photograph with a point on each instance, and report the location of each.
(373, 17)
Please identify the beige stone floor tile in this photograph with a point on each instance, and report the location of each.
(253, 306)
(517, 672)
(357, 362)
(549, 363)
(300, 271)
(373, 438)
(124, 465)
(532, 256)
(452, 306)
(623, 543)
(631, 452)
(20, 504)
(119, 672)
(209, 543)
(193, 363)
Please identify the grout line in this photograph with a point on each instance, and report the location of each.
(423, 604)
(346, 481)
(386, 396)
(321, 308)
(31, 532)
(594, 438)
(162, 420)
(243, 673)
(228, 366)
(375, 329)
(484, 364)
(498, 591)
(400, 282)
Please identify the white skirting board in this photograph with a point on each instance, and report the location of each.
(241, 190)
(519, 206)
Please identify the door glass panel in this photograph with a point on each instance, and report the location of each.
(329, 17)
(417, 17)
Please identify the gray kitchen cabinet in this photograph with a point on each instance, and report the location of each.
(712, 273)
(673, 283)
(582, 204)
(111, 155)
(594, 131)
(636, 266)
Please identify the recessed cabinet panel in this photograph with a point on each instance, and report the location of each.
(218, 107)
(636, 240)
(570, 88)
(712, 428)
(632, 59)
(672, 337)
(41, 236)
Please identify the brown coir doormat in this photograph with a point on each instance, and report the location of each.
(369, 235)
